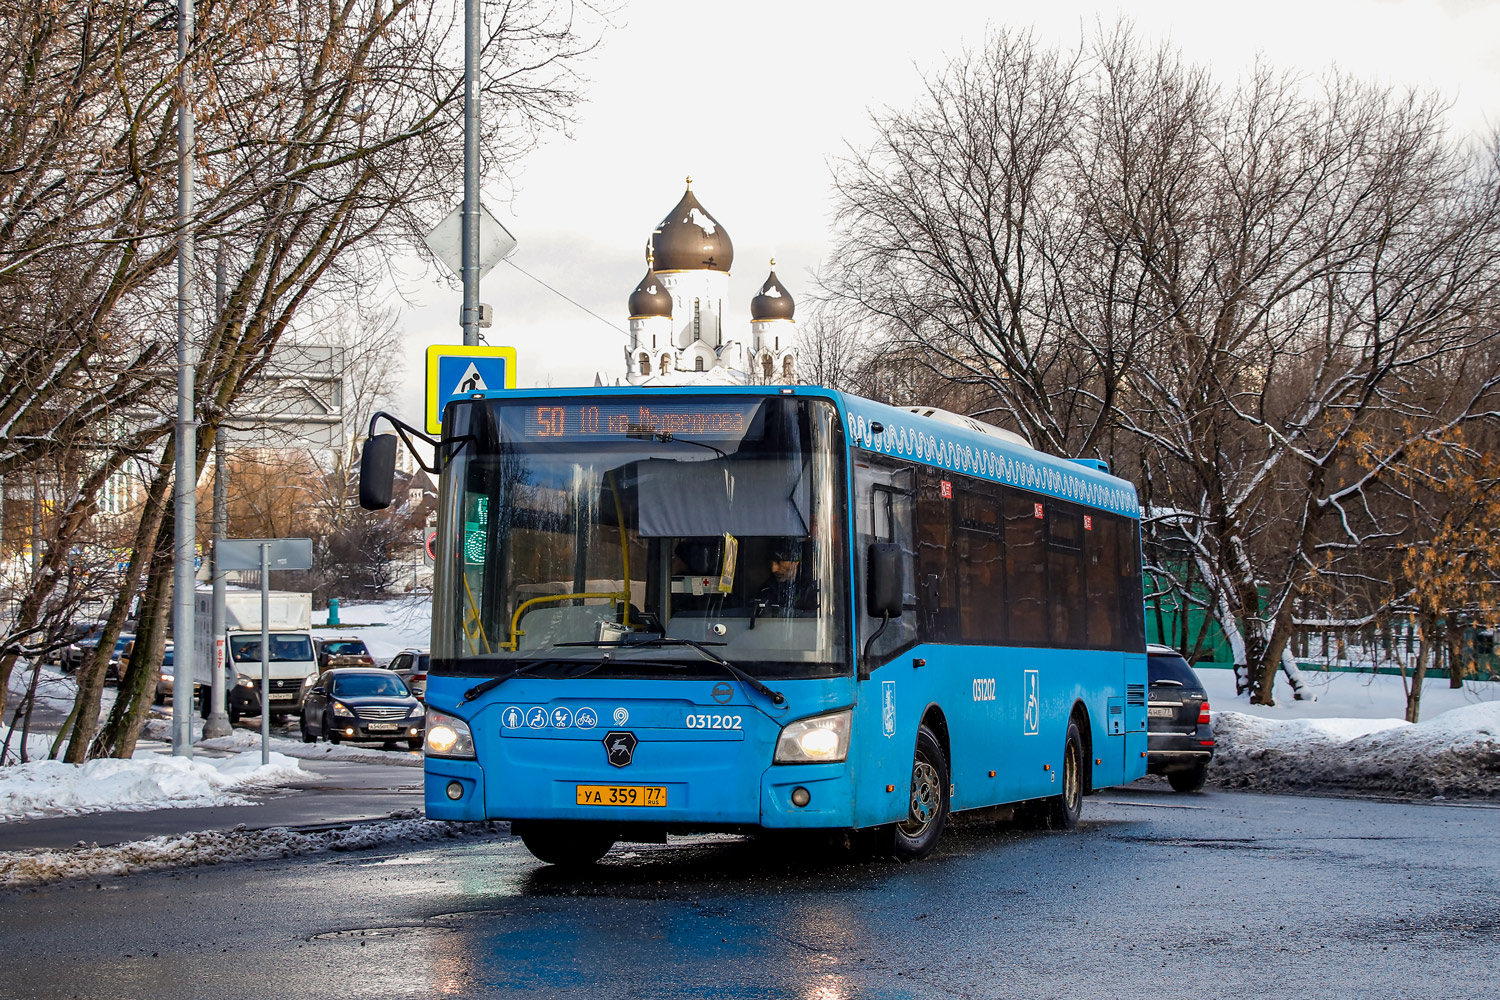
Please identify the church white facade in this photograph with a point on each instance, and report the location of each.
(679, 331)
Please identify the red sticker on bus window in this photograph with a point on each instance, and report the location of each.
(1038, 509)
(945, 488)
(1088, 523)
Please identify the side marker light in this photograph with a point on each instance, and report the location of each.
(890, 788)
(992, 774)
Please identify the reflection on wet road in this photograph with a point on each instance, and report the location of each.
(1155, 895)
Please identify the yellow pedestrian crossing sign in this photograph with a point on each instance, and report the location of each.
(455, 372)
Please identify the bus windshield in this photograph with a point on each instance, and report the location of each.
(575, 528)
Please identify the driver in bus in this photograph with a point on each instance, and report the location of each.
(785, 593)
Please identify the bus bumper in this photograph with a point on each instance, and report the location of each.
(829, 802)
(441, 773)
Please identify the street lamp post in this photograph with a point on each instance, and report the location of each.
(185, 507)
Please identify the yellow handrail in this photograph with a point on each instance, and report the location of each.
(471, 615)
(521, 609)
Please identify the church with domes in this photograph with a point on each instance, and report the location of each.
(680, 333)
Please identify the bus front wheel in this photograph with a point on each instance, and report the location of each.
(566, 845)
(927, 810)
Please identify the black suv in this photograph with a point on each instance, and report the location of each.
(1179, 735)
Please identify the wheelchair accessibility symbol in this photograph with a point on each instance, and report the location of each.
(1031, 699)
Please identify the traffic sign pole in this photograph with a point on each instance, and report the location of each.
(265, 652)
(471, 174)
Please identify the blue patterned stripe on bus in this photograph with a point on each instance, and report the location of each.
(925, 446)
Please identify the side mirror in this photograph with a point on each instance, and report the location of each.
(377, 472)
(320, 690)
(884, 585)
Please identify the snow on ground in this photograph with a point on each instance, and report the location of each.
(1354, 738)
(1346, 695)
(249, 739)
(55, 691)
(20, 868)
(150, 781)
(1455, 754)
(387, 627)
(38, 745)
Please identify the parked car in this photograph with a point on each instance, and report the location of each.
(71, 656)
(343, 652)
(120, 658)
(1179, 732)
(361, 704)
(411, 666)
(68, 656)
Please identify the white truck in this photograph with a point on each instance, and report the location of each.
(292, 657)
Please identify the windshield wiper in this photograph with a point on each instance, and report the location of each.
(667, 437)
(526, 668)
(777, 698)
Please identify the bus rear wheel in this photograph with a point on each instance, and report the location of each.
(1062, 810)
(927, 810)
(566, 845)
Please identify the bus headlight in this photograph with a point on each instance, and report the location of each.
(447, 736)
(819, 740)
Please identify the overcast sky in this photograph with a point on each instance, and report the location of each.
(765, 94)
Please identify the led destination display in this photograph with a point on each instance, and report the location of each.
(718, 420)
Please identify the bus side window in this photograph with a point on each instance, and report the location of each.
(1065, 575)
(1101, 549)
(883, 513)
(981, 563)
(1132, 610)
(937, 578)
(1026, 569)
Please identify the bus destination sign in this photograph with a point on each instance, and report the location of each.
(592, 420)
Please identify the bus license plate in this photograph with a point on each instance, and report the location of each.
(622, 795)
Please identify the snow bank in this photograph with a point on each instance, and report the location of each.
(217, 847)
(1455, 754)
(53, 788)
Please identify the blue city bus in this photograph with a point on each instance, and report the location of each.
(770, 608)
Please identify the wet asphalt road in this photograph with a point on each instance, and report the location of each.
(1218, 895)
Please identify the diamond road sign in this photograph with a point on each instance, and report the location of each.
(446, 241)
(459, 372)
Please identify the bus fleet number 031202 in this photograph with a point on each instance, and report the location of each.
(714, 722)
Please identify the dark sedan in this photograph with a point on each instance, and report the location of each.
(1179, 733)
(361, 705)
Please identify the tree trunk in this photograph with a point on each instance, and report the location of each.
(91, 675)
(1293, 672)
(1414, 692)
(118, 735)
